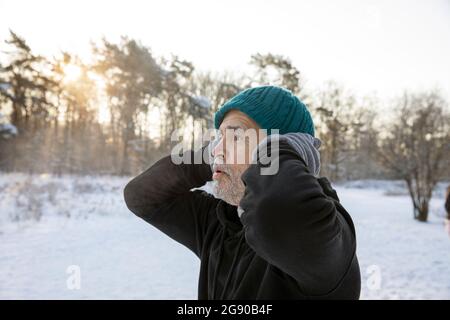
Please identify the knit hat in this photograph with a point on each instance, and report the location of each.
(271, 107)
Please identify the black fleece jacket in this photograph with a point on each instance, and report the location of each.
(293, 241)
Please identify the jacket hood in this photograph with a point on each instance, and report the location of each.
(304, 144)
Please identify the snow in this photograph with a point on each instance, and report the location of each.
(413, 257)
(4, 86)
(202, 101)
(8, 129)
(83, 222)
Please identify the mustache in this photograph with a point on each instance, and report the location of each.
(217, 167)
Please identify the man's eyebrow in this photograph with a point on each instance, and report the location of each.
(234, 127)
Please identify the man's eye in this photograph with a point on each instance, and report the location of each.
(237, 137)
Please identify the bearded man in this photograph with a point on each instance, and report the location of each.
(281, 234)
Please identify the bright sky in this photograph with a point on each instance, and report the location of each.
(383, 46)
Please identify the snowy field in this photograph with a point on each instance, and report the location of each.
(51, 225)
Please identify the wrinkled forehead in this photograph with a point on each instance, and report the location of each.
(235, 119)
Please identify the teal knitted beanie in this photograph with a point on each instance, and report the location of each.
(271, 107)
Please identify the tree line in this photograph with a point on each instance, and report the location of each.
(115, 114)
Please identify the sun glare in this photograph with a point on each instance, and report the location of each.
(72, 73)
(103, 112)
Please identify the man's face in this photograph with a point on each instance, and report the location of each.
(239, 136)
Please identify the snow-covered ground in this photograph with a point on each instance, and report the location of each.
(55, 231)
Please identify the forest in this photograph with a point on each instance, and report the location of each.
(114, 114)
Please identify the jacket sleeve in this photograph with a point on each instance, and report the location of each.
(292, 224)
(162, 196)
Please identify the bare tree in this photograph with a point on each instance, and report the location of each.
(361, 142)
(417, 145)
(334, 109)
(276, 69)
